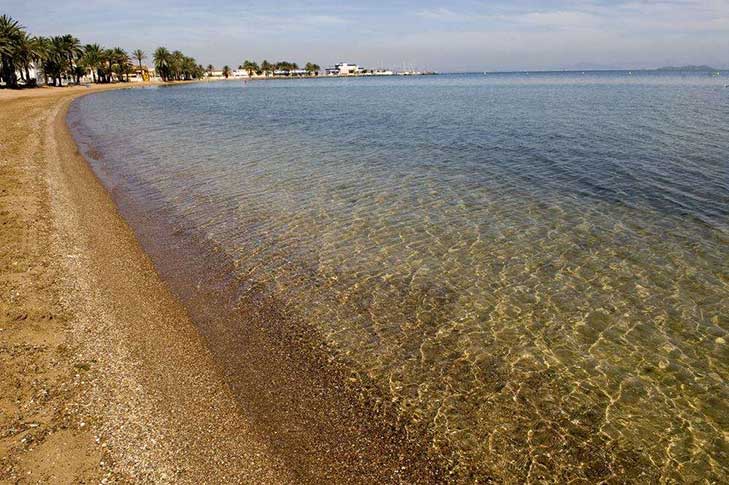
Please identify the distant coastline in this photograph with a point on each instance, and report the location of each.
(689, 69)
(699, 69)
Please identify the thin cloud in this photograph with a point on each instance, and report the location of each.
(459, 34)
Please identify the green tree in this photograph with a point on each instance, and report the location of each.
(312, 69)
(107, 64)
(92, 59)
(139, 55)
(176, 64)
(56, 64)
(199, 72)
(30, 51)
(188, 68)
(250, 67)
(120, 63)
(61, 58)
(73, 51)
(10, 37)
(226, 71)
(162, 59)
(266, 67)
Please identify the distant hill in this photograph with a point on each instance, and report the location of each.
(688, 68)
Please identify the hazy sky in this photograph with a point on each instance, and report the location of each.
(459, 35)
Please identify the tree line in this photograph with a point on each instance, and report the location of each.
(266, 67)
(176, 66)
(64, 57)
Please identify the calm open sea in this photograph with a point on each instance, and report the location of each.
(533, 266)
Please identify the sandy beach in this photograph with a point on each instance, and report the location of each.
(430, 244)
(108, 379)
(104, 376)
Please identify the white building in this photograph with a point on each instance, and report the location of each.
(344, 69)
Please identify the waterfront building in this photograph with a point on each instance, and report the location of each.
(344, 69)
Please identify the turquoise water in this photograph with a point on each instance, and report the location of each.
(533, 266)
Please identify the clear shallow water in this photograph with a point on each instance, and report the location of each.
(536, 266)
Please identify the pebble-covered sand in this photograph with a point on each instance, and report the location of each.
(104, 378)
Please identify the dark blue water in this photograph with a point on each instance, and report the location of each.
(536, 265)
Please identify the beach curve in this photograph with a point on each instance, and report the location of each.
(151, 400)
(89, 323)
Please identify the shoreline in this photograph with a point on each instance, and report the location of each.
(159, 399)
(101, 357)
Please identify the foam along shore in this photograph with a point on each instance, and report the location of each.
(104, 375)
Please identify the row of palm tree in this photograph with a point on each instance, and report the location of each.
(63, 57)
(104, 64)
(175, 66)
(266, 67)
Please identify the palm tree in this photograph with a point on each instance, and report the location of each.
(45, 47)
(56, 63)
(210, 70)
(92, 58)
(286, 66)
(62, 57)
(10, 36)
(312, 68)
(73, 51)
(188, 68)
(250, 67)
(29, 52)
(176, 62)
(107, 63)
(9, 31)
(226, 71)
(162, 58)
(199, 72)
(120, 63)
(266, 67)
(139, 55)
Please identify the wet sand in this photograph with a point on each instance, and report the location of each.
(107, 376)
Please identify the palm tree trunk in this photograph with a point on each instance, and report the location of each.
(8, 74)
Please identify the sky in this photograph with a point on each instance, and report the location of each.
(460, 35)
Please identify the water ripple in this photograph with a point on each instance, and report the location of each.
(536, 266)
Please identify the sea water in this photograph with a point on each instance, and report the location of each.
(534, 266)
